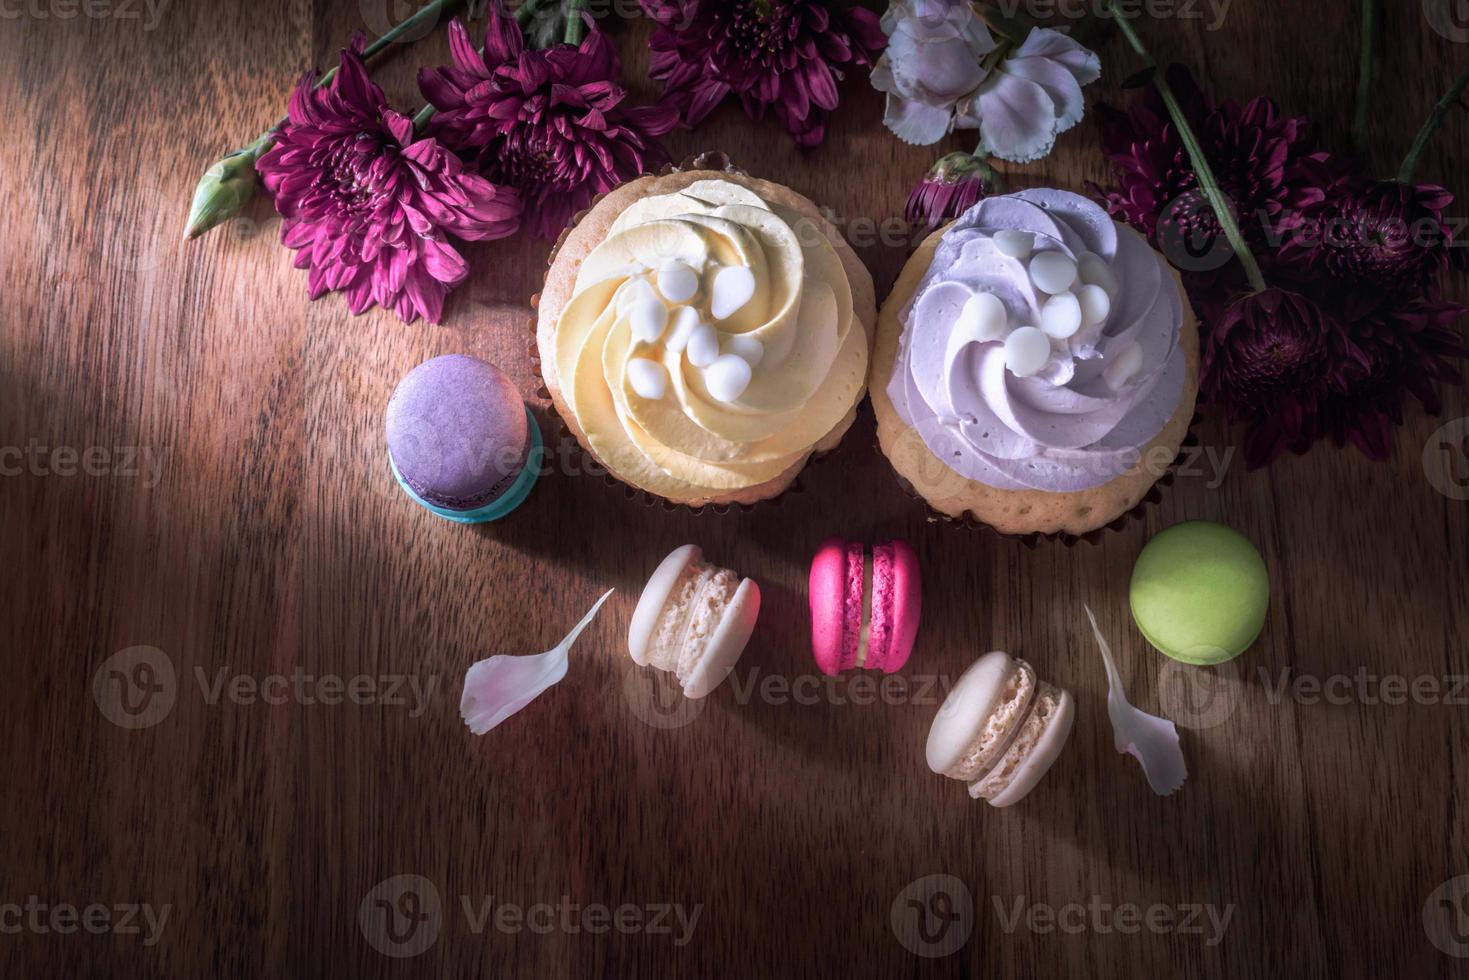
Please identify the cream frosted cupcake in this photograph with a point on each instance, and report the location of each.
(1036, 366)
(703, 333)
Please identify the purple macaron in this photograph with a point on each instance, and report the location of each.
(460, 440)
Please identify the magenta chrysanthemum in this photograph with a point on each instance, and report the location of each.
(553, 124)
(951, 187)
(367, 205)
(782, 56)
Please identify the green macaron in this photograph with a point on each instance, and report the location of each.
(1199, 593)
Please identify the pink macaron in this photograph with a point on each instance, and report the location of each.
(865, 605)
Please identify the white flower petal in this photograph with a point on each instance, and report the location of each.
(916, 123)
(1042, 42)
(1017, 120)
(1059, 84)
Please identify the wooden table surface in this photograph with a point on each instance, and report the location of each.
(206, 478)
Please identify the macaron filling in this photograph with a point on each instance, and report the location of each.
(864, 638)
(694, 610)
(1000, 729)
(883, 607)
(1038, 717)
(854, 622)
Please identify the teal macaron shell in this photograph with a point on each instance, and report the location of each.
(1200, 592)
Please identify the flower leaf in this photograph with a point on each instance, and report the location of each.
(1142, 78)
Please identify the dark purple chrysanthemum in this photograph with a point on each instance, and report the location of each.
(951, 187)
(785, 56)
(1360, 330)
(1270, 360)
(367, 205)
(1403, 352)
(1383, 234)
(1261, 159)
(553, 124)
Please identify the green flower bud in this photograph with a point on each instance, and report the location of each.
(224, 190)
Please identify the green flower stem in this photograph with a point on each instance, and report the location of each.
(1435, 119)
(229, 184)
(1202, 171)
(429, 14)
(1365, 67)
(575, 29)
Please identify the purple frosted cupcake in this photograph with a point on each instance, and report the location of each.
(461, 442)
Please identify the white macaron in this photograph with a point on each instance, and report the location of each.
(693, 620)
(1000, 729)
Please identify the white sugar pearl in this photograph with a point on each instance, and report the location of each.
(1016, 244)
(734, 286)
(677, 282)
(1061, 316)
(1123, 366)
(983, 317)
(685, 322)
(727, 378)
(1052, 272)
(648, 317)
(648, 378)
(1026, 351)
(1096, 305)
(703, 346)
(636, 290)
(747, 348)
(1095, 271)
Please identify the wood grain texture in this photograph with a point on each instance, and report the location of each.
(273, 539)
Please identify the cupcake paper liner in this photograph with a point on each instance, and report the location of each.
(1066, 538)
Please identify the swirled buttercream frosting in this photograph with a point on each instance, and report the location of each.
(1041, 350)
(710, 342)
